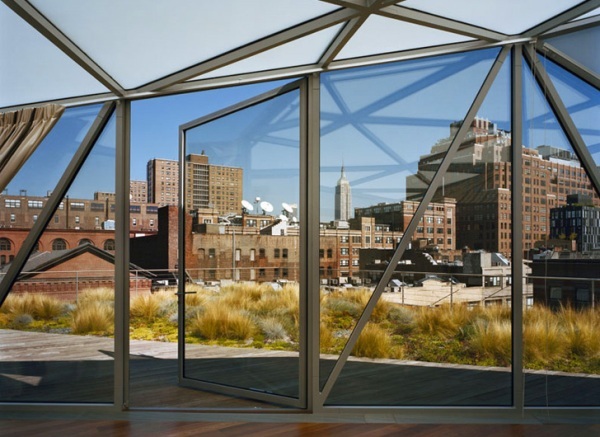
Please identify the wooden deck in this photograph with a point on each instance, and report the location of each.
(38, 367)
(89, 428)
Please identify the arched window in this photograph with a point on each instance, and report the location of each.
(85, 241)
(5, 244)
(109, 244)
(59, 244)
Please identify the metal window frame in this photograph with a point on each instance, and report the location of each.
(419, 213)
(301, 401)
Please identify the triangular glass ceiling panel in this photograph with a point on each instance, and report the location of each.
(510, 16)
(583, 103)
(385, 35)
(581, 46)
(303, 51)
(121, 38)
(33, 69)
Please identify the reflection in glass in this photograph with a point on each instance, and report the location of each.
(384, 135)
(242, 248)
(583, 103)
(62, 303)
(581, 46)
(561, 224)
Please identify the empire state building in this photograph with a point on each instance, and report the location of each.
(343, 198)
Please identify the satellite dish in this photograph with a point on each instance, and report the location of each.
(283, 218)
(266, 206)
(287, 207)
(247, 205)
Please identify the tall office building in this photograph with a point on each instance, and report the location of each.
(216, 187)
(163, 177)
(138, 191)
(343, 198)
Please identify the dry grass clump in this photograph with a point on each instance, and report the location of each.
(94, 317)
(445, 320)
(272, 329)
(38, 306)
(326, 338)
(375, 342)
(149, 307)
(219, 322)
(492, 338)
(581, 331)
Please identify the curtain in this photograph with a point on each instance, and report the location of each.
(20, 134)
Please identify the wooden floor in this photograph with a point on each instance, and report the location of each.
(37, 367)
(74, 428)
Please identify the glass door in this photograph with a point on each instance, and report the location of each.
(240, 291)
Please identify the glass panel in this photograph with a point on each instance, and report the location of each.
(560, 346)
(583, 103)
(383, 136)
(582, 46)
(302, 51)
(510, 17)
(26, 194)
(242, 195)
(29, 52)
(393, 36)
(153, 221)
(62, 304)
(156, 50)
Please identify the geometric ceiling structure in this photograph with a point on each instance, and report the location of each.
(73, 51)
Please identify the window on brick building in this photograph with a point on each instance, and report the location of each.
(59, 244)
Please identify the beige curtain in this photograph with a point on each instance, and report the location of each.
(20, 134)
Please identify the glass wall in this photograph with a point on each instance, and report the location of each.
(241, 234)
(561, 225)
(57, 321)
(415, 215)
(442, 324)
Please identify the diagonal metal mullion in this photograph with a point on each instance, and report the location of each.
(350, 28)
(563, 117)
(571, 65)
(414, 16)
(571, 14)
(54, 200)
(252, 49)
(436, 181)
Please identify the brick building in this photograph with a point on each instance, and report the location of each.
(213, 186)
(11, 240)
(436, 228)
(479, 178)
(79, 214)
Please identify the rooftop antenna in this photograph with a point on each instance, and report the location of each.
(266, 207)
(287, 209)
(246, 207)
